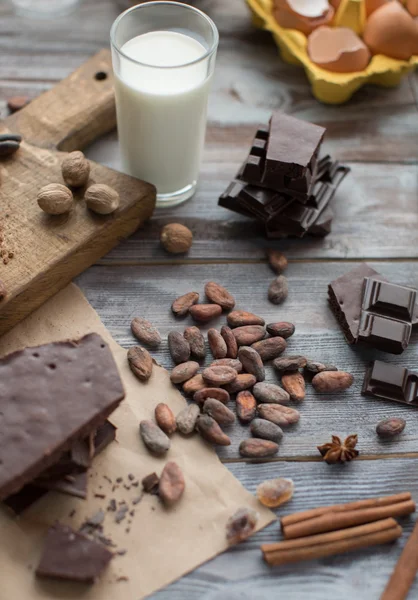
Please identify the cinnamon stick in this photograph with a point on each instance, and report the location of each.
(405, 570)
(341, 520)
(329, 544)
(368, 503)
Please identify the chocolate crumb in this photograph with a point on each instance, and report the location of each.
(122, 578)
(112, 505)
(96, 520)
(137, 500)
(132, 513)
(115, 487)
(127, 530)
(131, 477)
(150, 483)
(135, 484)
(102, 496)
(121, 552)
(107, 478)
(119, 480)
(152, 507)
(121, 513)
(105, 540)
(127, 487)
(72, 513)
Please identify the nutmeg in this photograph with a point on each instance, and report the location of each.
(176, 238)
(75, 169)
(102, 199)
(55, 199)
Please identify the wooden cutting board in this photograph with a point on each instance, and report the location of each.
(49, 251)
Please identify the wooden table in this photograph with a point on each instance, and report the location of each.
(376, 219)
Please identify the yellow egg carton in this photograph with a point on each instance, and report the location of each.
(329, 87)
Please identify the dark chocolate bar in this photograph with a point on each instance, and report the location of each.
(51, 396)
(386, 315)
(70, 555)
(391, 382)
(323, 224)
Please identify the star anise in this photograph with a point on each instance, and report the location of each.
(338, 451)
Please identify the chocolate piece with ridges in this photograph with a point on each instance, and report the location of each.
(242, 318)
(277, 261)
(154, 438)
(332, 381)
(217, 393)
(211, 431)
(196, 342)
(37, 387)
(217, 294)
(266, 430)
(282, 329)
(179, 347)
(64, 556)
(249, 334)
(172, 484)
(219, 376)
(391, 382)
(258, 448)
(270, 393)
(246, 406)
(218, 411)
(234, 363)
(194, 384)
(140, 362)
(203, 313)
(278, 414)
(182, 305)
(294, 384)
(186, 419)
(217, 344)
(251, 362)
(184, 371)
(145, 332)
(230, 341)
(244, 381)
(278, 290)
(289, 363)
(165, 418)
(270, 348)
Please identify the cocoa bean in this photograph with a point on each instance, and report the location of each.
(194, 384)
(145, 332)
(194, 336)
(186, 419)
(165, 418)
(270, 393)
(179, 347)
(332, 381)
(266, 430)
(277, 261)
(202, 313)
(218, 411)
(281, 329)
(289, 363)
(230, 341)
(154, 438)
(218, 376)
(3, 291)
(249, 334)
(219, 295)
(258, 448)
(389, 428)
(270, 348)
(278, 290)
(181, 305)
(246, 406)
(210, 431)
(171, 486)
(244, 381)
(217, 393)
(251, 362)
(216, 343)
(140, 362)
(16, 103)
(227, 362)
(317, 367)
(278, 414)
(242, 318)
(241, 525)
(294, 384)
(184, 371)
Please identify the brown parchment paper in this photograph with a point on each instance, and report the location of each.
(161, 544)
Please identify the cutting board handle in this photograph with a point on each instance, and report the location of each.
(74, 113)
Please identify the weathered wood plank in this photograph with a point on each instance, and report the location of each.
(119, 294)
(240, 574)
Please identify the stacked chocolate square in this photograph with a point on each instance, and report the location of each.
(54, 404)
(284, 183)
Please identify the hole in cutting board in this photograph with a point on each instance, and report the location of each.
(100, 76)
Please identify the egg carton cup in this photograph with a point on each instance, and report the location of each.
(329, 87)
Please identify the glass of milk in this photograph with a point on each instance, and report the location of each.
(163, 57)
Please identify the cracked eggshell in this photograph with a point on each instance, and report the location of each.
(412, 7)
(338, 49)
(291, 20)
(390, 30)
(305, 8)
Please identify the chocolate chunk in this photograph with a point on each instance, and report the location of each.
(51, 396)
(150, 483)
(24, 498)
(105, 435)
(72, 485)
(72, 556)
(391, 382)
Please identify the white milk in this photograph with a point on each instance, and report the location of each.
(162, 112)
